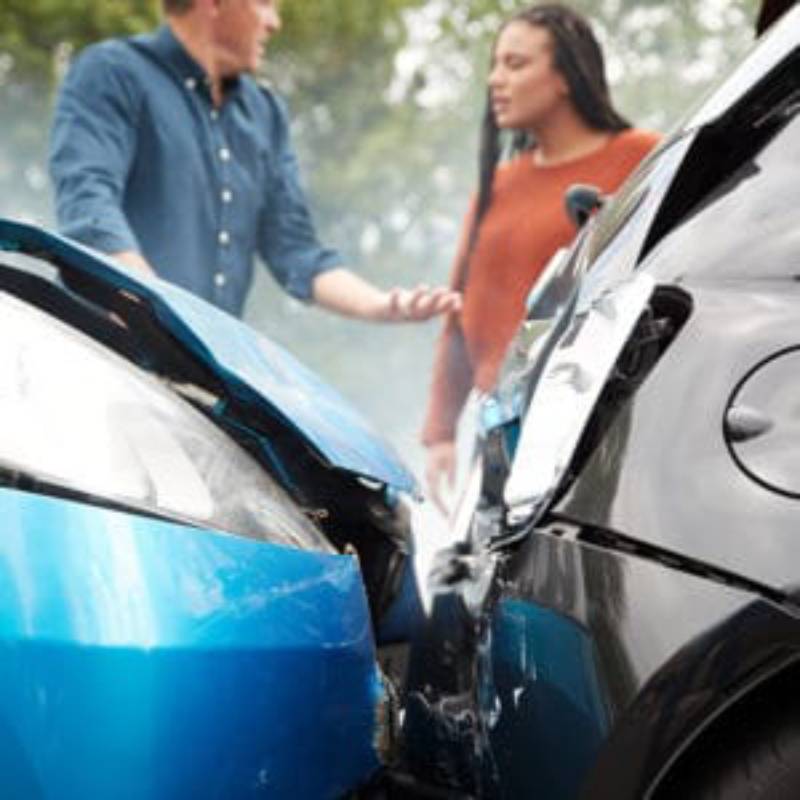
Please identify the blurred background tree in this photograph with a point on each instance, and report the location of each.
(386, 98)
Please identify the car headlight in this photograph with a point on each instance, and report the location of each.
(79, 418)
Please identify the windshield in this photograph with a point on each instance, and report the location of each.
(76, 416)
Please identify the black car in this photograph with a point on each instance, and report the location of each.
(623, 617)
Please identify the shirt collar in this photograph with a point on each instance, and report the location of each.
(171, 52)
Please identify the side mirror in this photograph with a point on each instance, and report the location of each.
(581, 200)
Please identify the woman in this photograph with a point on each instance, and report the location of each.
(547, 86)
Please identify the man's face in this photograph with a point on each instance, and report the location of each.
(241, 31)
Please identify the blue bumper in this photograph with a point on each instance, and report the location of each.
(145, 659)
(545, 682)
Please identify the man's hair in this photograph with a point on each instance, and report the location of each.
(577, 56)
(176, 6)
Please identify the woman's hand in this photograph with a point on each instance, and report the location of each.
(440, 466)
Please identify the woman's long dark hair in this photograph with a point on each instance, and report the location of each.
(578, 57)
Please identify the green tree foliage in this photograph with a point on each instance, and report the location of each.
(338, 26)
(33, 32)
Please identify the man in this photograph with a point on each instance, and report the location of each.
(166, 154)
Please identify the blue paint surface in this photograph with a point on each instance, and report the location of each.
(240, 357)
(545, 700)
(144, 659)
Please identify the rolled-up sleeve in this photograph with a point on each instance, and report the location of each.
(287, 238)
(92, 144)
(453, 373)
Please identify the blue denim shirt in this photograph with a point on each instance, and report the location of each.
(142, 160)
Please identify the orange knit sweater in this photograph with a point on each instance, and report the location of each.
(525, 224)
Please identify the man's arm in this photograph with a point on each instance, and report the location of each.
(309, 271)
(344, 292)
(93, 144)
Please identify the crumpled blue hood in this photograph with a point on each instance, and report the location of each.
(238, 356)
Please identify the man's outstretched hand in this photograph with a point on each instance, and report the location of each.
(420, 303)
(344, 292)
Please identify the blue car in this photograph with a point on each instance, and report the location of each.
(198, 540)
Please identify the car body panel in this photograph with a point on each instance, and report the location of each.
(545, 678)
(738, 262)
(145, 659)
(667, 650)
(766, 54)
(745, 229)
(571, 689)
(664, 473)
(239, 357)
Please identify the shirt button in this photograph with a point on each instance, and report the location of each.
(227, 195)
(190, 84)
(225, 154)
(214, 114)
(220, 280)
(224, 237)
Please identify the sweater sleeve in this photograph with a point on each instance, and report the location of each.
(452, 381)
(452, 368)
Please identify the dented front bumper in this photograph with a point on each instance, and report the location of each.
(141, 658)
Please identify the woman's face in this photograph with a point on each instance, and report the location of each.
(524, 85)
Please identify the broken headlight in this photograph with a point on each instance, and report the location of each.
(76, 419)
